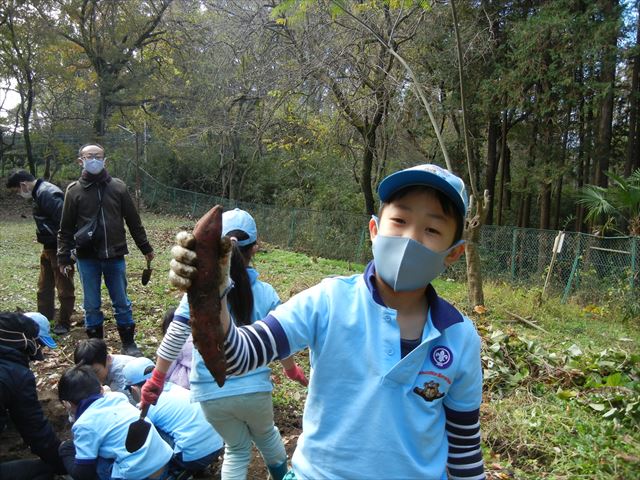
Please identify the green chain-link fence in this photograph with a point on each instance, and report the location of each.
(587, 266)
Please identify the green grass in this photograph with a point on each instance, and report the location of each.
(530, 432)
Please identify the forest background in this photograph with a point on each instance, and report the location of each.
(304, 105)
(310, 103)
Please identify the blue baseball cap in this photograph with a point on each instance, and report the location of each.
(134, 370)
(237, 219)
(431, 176)
(43, 325)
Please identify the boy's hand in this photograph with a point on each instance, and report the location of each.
(297, 374)
(152, 388)
(182, 267)
(183, 261)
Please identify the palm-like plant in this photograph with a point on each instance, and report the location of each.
(620, 202)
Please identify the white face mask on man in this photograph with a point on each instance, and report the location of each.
(24, 193)
(93, 165)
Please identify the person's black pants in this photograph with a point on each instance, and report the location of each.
(27, 469)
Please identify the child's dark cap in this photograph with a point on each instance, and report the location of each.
(428, 175)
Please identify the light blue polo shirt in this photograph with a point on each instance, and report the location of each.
(101, 431)
(203, 386)
(115, 378)
(369, 413)
(184, 421)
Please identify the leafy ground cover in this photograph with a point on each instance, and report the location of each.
(561, 400)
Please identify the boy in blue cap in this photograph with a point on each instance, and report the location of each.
(100, 427)
(196, 445)
(396, 380)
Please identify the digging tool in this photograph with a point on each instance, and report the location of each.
(146, 273)
(138, 432)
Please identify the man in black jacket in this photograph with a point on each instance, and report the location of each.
(19, 343)
(95, 210)
(47, 212)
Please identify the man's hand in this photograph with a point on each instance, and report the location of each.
(150, 256)
(297, 374)
(152, 388)
(66, 270)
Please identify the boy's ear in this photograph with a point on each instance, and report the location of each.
(454, 255)
(373, 228)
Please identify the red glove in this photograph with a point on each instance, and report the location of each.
(297, 374)
(152, 388)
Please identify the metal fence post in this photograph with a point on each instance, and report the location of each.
(360, 250)
(634, 261)
(195, 204)
(574, 268)
(292, 228)
(513, 253)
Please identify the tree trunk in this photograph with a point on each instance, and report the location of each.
(367, 166)
(100, 118)
(504, 158)
(559, 180)
(492, 165)
(607, 77)
(633, 161)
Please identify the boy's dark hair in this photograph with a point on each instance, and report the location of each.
(94, 144)
(90, 351)
(78, 383)
(20, 176)
(167, 319)
(241, 296)
(448, 207)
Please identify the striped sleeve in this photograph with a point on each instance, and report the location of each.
(174, 339)
(465, 455)
(251, 346)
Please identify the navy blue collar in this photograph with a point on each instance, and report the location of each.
(443, 314)
(84, 404)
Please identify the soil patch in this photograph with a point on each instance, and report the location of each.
(48, 373)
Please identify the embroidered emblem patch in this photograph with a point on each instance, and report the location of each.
(441, 356)
(430, 391)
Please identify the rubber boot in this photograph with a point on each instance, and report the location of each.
(129, 346)
(278, 471)
(95, 332)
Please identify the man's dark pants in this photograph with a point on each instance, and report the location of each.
(51, 280)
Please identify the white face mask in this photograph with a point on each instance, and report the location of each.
(93, 165)
(24, 194)
(405, 264)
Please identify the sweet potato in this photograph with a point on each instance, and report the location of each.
(204, 293)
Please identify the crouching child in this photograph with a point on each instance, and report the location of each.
(100, 426)
(181, 423)
(107, 367)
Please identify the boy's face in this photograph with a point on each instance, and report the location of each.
(101, 371)
(419, 216)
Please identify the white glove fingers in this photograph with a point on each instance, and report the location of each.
(183, 255)
(186, 240)
(182, 269)
(181, 283)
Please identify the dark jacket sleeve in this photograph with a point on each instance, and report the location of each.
(84, 471)
(28, 417)
(131, 216)
(67, 228)
(51, 205)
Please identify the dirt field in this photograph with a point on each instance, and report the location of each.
(48, 373)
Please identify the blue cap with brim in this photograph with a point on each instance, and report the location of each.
(134, 370)
(237, 219)
(430, 176)
(43, 325)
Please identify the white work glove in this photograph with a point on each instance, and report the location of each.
(182, 266)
